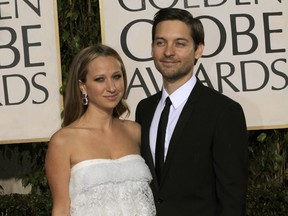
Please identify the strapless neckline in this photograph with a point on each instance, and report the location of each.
(103, 160)
(109, 187)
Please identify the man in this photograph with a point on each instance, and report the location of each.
(205, 150)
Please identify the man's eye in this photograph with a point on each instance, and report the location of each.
(180, 44)
(159, 43)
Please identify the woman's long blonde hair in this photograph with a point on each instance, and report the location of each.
(73, 107)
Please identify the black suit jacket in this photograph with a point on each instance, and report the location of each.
(205, 172)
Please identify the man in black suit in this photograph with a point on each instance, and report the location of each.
(204, 172)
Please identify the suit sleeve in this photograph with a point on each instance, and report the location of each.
(230, 160)
(137, 115)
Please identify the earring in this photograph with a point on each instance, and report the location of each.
(85, 99)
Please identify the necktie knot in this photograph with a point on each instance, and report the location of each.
(168, 102)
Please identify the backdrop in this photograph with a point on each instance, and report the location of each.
(245, 56)
(30, 103)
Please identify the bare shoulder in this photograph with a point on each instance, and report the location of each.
(132, 128)
(131, 125)
(62, 137)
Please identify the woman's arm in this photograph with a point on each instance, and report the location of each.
(57, 166)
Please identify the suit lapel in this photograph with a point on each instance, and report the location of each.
(184, 117)
(146, 124)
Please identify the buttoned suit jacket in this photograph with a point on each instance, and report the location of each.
(205, 172)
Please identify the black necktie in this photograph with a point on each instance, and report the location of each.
(160, 141)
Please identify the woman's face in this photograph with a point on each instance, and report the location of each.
(104, 83)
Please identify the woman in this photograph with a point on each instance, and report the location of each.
(93, 164)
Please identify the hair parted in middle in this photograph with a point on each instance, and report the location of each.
(73, 106)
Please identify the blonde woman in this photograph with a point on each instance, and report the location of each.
(93, 164)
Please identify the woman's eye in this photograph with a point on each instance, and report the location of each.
(99, 79)
(118, 76)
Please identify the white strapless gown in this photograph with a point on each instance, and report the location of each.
(104, 187)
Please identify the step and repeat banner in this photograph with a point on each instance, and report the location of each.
(245, 54)
(245, 58)
(30, 76)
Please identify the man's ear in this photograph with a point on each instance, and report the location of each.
(199, 51)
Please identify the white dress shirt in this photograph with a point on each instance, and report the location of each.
(178, 99)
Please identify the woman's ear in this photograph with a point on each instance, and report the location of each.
(82, 86)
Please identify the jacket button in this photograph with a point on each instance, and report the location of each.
(159, 201)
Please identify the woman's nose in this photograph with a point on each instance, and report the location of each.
(111, 86)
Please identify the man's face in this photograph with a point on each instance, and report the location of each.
(174, 52)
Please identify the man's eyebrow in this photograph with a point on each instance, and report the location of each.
(177, 39)
(184, 39)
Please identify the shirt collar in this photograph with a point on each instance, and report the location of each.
(181, 94)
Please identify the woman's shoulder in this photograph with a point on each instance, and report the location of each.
(132, 128)
(129, 124)
(63, 136)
